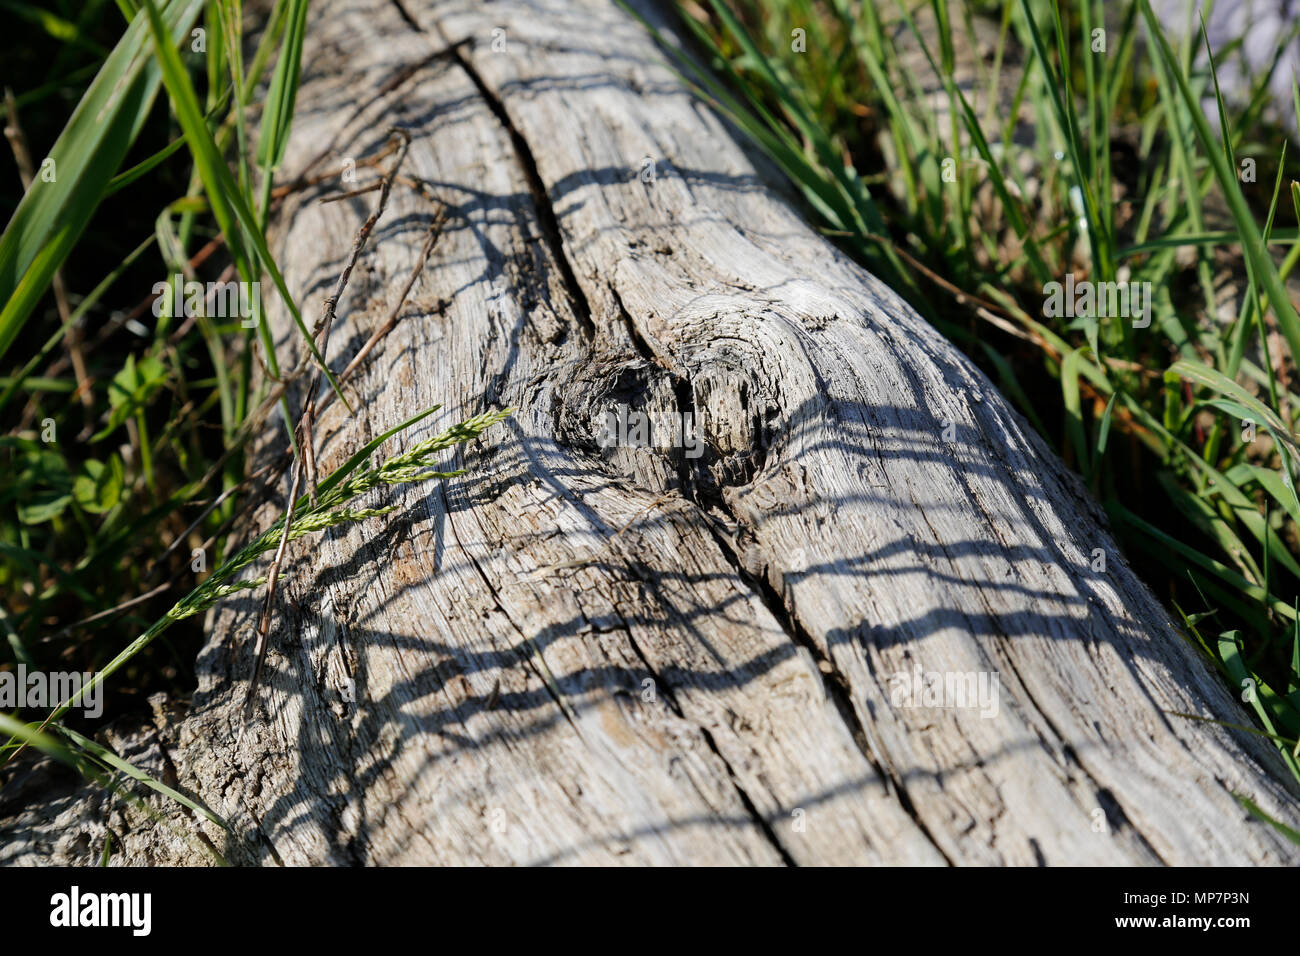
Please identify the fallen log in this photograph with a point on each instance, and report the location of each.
(870, 619)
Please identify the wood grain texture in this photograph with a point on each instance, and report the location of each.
(578, 654)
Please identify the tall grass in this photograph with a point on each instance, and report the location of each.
(1184, 429)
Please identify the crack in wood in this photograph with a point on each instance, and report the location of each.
(546, 216)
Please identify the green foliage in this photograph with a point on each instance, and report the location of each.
(53, 214)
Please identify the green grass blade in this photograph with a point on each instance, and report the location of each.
(1262, 267)
(113, 760)
(1255, 811)
(283, 94)
(232, 212)
(52, 215)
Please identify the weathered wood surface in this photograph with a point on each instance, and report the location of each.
(585, 655)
